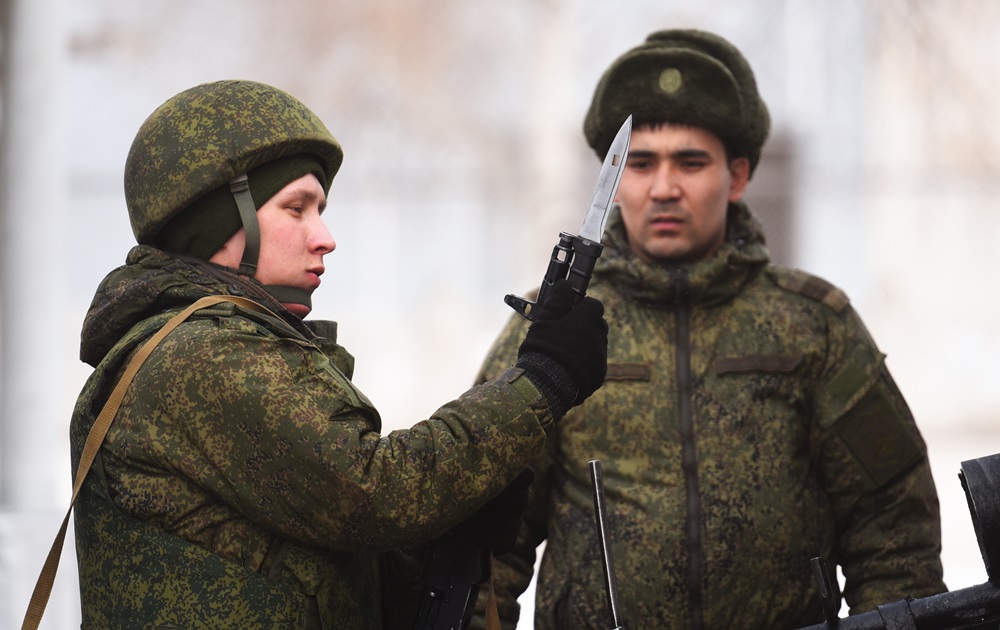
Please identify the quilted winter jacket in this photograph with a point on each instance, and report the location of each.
(748, 424)
(245, 482)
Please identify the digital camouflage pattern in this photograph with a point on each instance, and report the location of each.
(747, 424)
(245, 483)
(206, 136)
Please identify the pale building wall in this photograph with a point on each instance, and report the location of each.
(932, 213)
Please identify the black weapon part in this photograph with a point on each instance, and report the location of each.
(829, 590)
(454, 569)
(973, 608)
(981, 481)
(573, 259)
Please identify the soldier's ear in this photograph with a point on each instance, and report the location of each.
(739, 176)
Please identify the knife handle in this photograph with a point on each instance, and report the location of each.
(585, 255)
(573, 258)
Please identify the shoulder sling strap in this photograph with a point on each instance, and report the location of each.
(43, 586)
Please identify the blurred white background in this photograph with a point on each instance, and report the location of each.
(461, 123)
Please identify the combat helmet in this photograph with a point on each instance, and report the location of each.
(212, 136)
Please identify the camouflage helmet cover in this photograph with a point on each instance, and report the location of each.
(210, 134)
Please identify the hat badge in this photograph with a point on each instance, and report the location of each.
(671, 80)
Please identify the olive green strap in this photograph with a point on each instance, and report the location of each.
(284, 293)
(240, 187)
(43, 586)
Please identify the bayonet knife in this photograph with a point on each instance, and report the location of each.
(574, 257)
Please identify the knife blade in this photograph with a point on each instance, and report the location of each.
(574, 256)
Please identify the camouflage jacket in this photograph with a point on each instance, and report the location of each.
(747, 424)
(245, 483)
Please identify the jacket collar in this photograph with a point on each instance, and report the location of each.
(715, 280)
(151, 282)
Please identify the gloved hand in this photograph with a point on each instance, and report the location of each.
(495, 525)
(565, 352)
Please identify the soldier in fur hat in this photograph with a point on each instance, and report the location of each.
(748, 422)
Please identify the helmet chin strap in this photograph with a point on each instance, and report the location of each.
(240, 188)
(289, 295)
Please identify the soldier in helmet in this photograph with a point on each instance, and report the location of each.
(748, 422)
(244, 481)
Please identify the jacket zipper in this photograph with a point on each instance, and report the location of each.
(689, 459)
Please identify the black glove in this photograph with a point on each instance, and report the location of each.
(565, 352)
(495, 525)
